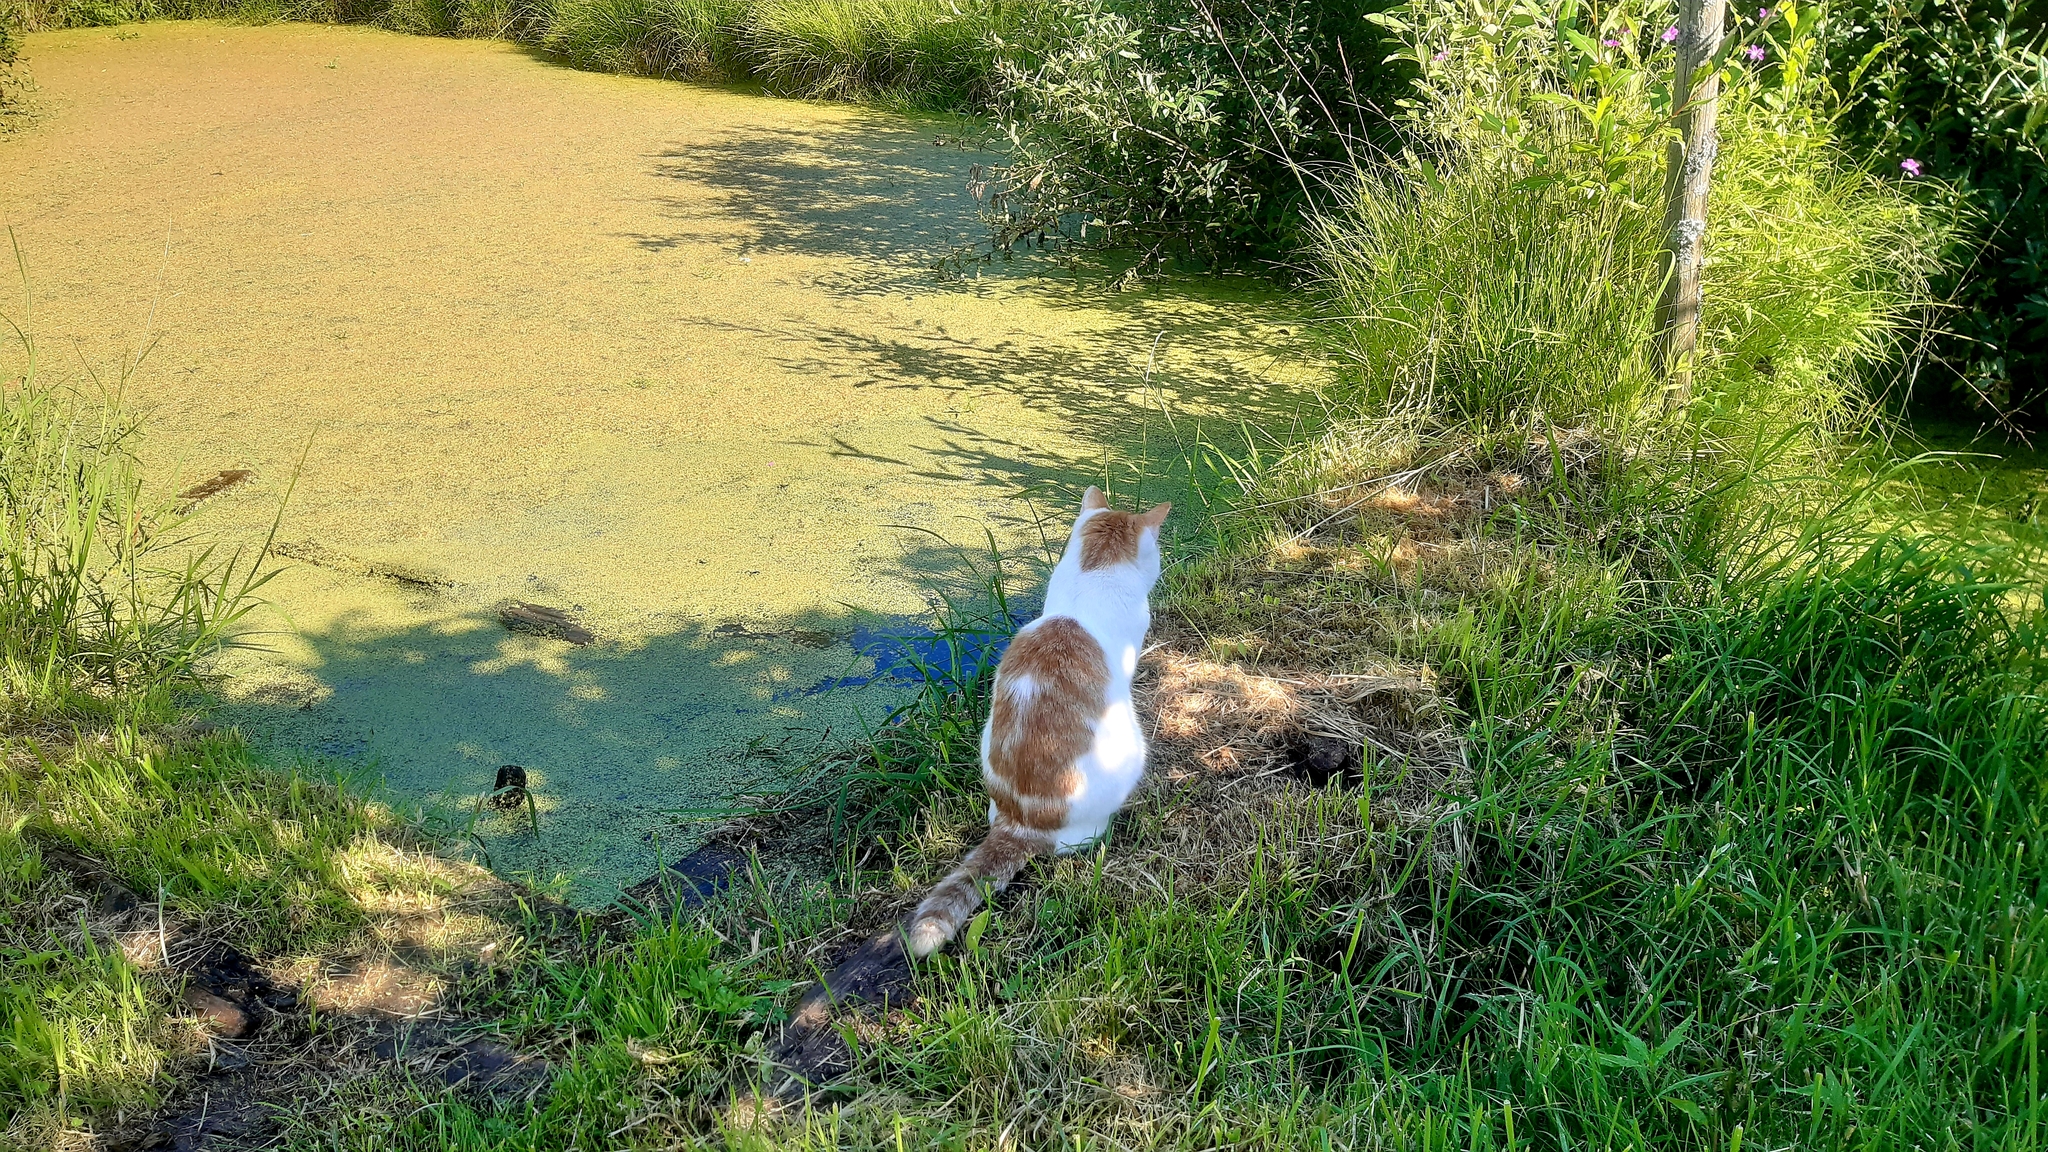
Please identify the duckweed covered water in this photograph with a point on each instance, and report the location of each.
(689, 363)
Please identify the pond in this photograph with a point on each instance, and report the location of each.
(718, 375)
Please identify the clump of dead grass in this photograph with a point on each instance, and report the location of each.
(1220, 717)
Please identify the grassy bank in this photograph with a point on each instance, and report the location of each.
(134, 846)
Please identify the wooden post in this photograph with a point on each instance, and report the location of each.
(1690, 171)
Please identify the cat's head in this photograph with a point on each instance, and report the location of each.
(1106, 539)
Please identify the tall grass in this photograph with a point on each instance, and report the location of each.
(10, 77)
(1506, 275)
(1487, 302)
(696, 38)
(920, 53)
(1758, 848)
(106, 601)
(108, 606)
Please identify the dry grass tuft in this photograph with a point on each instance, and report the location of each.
(1216, 717)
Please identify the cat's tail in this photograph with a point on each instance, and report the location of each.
(999, 858)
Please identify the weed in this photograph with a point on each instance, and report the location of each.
(922, 52)
(106, 599)
(695, 38)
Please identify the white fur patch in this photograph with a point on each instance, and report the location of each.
(1020, 687)
(1117, 745)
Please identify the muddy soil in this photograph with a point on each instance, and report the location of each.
(675, 362)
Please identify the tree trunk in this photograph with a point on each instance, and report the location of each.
(1686, 180)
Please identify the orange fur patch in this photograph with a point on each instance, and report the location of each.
(1051, 688)
(1113, 537)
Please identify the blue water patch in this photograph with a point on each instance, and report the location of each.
(908, 650)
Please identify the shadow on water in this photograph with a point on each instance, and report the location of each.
(874, 188)
(1141, 375)
(891, 209)
(628, 743)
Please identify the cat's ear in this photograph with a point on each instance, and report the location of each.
(1155, 516)
(1093, 499)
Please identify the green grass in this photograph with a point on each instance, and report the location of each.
(922, 53)
(1744, 833)
(651, 37)
(111, 600)
(1511, 282)
(284, 867)
(1816, 950)
(247, 853)
(1751, 842)
(919, 51)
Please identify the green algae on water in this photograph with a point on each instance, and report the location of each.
(696, 367)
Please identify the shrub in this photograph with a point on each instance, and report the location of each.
(1961, 88)
(1188, 127)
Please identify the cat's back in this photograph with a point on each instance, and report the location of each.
(1052, 668)
(1051, 686)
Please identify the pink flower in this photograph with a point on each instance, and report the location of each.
(1611, 43)
(1763, 13)
(1671, 34)
(1755, 52)
(1911, 166)
(1441, 57)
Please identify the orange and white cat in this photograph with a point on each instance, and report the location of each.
(1063, 747)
